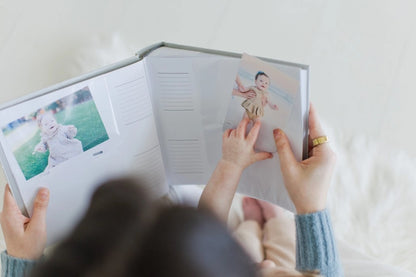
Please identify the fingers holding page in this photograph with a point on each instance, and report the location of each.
(286, 155)
(315, 128)
(316, 132)
(39, 209)
(25, 238)
(8, 200)
(321, 150)
(10, 208)
(226, 134)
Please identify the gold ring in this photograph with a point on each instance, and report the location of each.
(319, 140)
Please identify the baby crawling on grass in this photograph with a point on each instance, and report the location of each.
(58, 139)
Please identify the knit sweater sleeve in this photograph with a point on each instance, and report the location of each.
(316, 251)
(15, 267)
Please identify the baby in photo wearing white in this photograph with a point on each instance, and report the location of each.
(257, 97)
(58, 139)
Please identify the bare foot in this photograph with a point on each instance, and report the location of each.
(252, 210)
(269, 210)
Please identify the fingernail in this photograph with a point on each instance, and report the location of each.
(44, 194)
(277, 133)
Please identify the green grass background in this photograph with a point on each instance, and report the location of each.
(91, 132)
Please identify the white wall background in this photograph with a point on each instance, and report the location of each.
(361, 52)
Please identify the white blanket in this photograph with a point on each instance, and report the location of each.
(372, 199)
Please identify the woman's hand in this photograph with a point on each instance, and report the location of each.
(245, 94)
(25, 237)
(250, 94)
(240, 85)
(242, 88)
(238, 149)
(307, 182)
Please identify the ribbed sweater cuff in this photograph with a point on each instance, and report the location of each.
(315, 246)
(15, 267)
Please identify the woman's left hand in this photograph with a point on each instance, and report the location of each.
(25, 237)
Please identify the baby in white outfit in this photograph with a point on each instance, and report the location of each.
(58, 139)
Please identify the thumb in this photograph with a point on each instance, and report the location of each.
(286, 156)
(262, 156)
(40, 206)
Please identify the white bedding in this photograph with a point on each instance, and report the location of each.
(372, 199)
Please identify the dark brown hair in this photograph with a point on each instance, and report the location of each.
(124, 234)
(184, 241)
(112, 223)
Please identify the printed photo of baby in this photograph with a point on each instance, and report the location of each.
(58, 139)
(257, 96)
(263, 93)
(55, 133)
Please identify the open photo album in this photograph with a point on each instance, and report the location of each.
(158, 116)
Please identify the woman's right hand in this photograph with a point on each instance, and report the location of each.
(307, 182)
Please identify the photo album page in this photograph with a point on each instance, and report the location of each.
(197, 97)
(273, 94)
(72, 139)
(159, 118)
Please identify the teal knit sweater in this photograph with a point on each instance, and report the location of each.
(315, 245)
(315, 249)
(15, 267)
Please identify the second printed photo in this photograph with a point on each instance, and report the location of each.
(263, 93)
